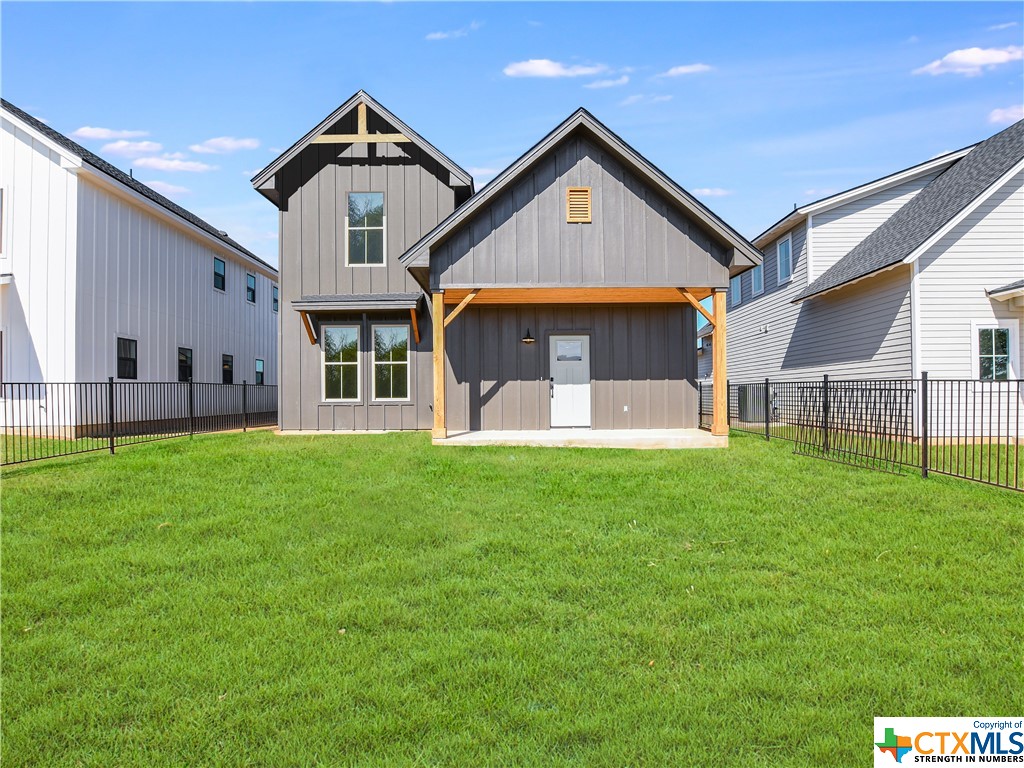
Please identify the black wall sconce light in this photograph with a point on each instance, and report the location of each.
(528, 339)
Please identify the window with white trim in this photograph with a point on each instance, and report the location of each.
(341, 362)
(784, 259)
(219, 276)
(736, 291)
(364, 229)
(994, 354)
(391, 362)
(757, 280)
(250, 288)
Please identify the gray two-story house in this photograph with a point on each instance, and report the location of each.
(563, 295)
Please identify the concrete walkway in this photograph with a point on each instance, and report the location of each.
(591, 438)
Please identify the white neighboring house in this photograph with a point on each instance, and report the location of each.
(920, 271)
(102, 276)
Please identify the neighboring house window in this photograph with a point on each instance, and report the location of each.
(184, 364)
(250, 288)
(757, 280)
(218, 274)
(994, 354)
(227, 369)
(736, 290)
(784, 256)
(341, 362)
(259, 371)
(275, 298)
(127, 358)
(391, 362)
(364, 228)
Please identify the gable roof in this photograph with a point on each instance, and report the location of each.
(263, 181)
(127, 180)
(901, 237)
(581, 119)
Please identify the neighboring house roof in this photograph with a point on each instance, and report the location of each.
(357, 301)
(127, 180)
(914, 225)
(1007, 291)
(417, 255)
(262, 181)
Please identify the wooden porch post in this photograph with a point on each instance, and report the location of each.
(720, 408)
(440, 426)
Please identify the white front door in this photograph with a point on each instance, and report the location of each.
(570, 381)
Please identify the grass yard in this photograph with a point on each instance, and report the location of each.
(251, 599)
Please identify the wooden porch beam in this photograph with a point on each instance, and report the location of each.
(697, 305)
(360, 138)
(720, 380)
(361, 119)
(461, 306)
(440, 429)
(308, 325)
(415, 325)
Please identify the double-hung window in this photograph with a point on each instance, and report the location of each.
(341, 362)
(735, 291)
(127, 358)
(184, 364)
(391, 362)
(364, 229)
(250, 288)
(276, 298)
(227, 369)
(784, 259)
(259, 371)
(219, 280)
(757, 280)
(994, 354)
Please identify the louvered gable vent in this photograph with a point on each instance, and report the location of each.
(577, 205)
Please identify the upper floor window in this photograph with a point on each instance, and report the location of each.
(391, 362)
(994, 354)
(250, 288)
(227, 369)
(218, 274)
(784, 257)
(757, 280)
(259, 371)
(184, 364)
(275, 298)
(127, 358)
(364, 228)
(735, 291)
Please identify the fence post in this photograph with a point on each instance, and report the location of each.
(824, 413)
(191, 409)
(767, 412)
(924, 424)
(110, 410)
(728, 403)
(245, 410)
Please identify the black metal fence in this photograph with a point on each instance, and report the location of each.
(965, 428)
(41, 421)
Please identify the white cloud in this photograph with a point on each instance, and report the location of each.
(221, 145)
(972, 61)
(643, 98)
(174, 162)
(711, 192)
(549, 68)
(1007, 115)
(1007, 25)
(167, 189)
(478, 172)
(454, 33)
(820, 192)
(131, 148)
(687, 69)
(608, 83)
(105, 134)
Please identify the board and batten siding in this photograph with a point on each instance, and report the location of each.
(643, 368)
(860, 331)
(835, 232)
(983, 251)
(315, 187)
(522, 239)
(140, 277)
(37, 307)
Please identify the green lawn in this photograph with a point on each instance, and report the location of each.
(251, 599)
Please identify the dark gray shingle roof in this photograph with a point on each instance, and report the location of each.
(355, 301)
(117, 174)
(1006, 288)
(931, 209)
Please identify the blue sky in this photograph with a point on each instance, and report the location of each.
(753, 107)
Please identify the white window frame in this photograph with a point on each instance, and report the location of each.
(323, 364)
(214, 283)
(275, 298)
(753, 290)
(383, 227)
(255, 370)
(736, 287)
(1014, 328)
(255, 284)
(778, 260)
(408, 363)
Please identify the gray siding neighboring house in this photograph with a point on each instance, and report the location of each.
(891, 278)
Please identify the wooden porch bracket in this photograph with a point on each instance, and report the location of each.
(720, 380)
(461, 306)
(440, 429)
(362, 136)
(308, 325)
(415, 325)
(697, 305)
